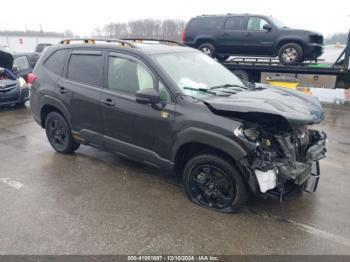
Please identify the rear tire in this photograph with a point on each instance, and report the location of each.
(208, 49)
(59, 134)
(213, 182)
(290, 54)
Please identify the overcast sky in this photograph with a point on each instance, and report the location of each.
(82, 17)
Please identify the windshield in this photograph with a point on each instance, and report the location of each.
(277, 22)
(196, 73)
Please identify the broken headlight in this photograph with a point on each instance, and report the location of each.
(251, 134)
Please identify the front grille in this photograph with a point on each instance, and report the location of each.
(10, 94)
(318, 39)
(6, 86)
(7, 89)
(8, 99)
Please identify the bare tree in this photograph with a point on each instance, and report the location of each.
(144, 28)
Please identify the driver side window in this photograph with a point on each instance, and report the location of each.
(128, 76)
(256, 24)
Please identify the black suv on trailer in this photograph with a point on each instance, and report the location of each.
(175, 108)
(221, 36)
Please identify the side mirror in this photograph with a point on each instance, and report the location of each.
(147, 96)
(15, 69)
(267, 27)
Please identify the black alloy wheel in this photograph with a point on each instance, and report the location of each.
(59, 134)
(212, 182)
(211, 187)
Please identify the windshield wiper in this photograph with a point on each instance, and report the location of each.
(204, 90)
(228, 85)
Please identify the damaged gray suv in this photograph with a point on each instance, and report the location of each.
(175, 108)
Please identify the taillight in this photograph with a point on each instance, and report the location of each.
(31, 78)
(184, 36)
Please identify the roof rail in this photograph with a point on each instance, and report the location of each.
(152, 41)
(94, 40)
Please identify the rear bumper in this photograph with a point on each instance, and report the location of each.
(312, 50)
(190, 44)
(14, 96)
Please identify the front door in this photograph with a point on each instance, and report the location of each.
(139, 131)
(257, 40)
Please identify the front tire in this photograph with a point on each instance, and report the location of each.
(213, 182)
(59, 134)
(291, 54)
(208, 49)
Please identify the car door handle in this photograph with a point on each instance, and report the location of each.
(226, 34)
(62, 90)
(109, 102)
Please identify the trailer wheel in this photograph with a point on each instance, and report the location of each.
(242, 74)
(290, 54)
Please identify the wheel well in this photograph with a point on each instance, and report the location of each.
(204, 40)
(189, 150)
(287, 41)
(45, 110)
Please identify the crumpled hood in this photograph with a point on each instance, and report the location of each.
(6, 60)
(294, 106)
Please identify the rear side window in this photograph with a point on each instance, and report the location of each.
(55, 63)
(85, 69)
(234, 23)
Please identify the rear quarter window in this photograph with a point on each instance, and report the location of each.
(55, 63)
(86, 69)
(204, 24)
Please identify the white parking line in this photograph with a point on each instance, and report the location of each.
(12, 183)
(309, 229)
(321, 233)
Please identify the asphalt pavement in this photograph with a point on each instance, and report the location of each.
(93, 202)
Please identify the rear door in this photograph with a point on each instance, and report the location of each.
(231, 39)
(81, 89)
(141, 131)
(259, 41)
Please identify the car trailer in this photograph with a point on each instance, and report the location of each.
(336, 75)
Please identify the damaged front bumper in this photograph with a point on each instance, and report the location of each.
(285, 165)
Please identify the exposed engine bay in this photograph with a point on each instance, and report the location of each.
(282, 152)
(283, 162)
(8, 80)
(6, 74)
